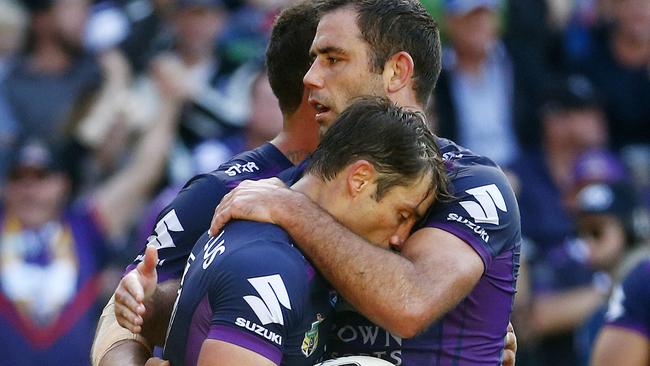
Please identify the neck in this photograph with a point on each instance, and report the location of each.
(48, 57)
(630, 50)
(299, 136)
(560, 162)
(195, 58)
(470, 62)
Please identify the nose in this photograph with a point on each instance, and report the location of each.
(313, 78)
(402, 232)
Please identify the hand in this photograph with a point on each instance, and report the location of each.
(510, 350)
(171, 78)
(132, 291)
(155, 361)
(251, 200)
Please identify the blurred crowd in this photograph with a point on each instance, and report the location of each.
(107, 108)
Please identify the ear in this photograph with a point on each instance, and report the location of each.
(398, 71)
(360, 176)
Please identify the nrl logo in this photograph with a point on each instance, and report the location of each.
(310, 342)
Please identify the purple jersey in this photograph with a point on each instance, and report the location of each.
(629, 306)
(249, 286)
(485, 215)
(183, 221)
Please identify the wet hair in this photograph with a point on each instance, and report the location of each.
(287, 56)
(395, 140)
(392, 26)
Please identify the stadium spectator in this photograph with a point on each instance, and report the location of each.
(562, 291)
(625, 338)
(608, 218)
(54, 69)
(616, 61)
(572, 124)
(52, 251)
(474, 98)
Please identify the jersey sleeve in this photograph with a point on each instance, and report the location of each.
(483, 212)
(257, 299)
(629, 305)
(181, 223)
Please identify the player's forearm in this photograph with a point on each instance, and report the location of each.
(382, 285)
(126, 353)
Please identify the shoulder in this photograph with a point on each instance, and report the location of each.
(263, 162)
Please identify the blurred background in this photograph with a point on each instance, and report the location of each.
(107, 108)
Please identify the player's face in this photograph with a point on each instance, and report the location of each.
(341, 67)
(393, 215)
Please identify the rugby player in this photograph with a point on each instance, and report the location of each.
(130, 288)
(459, 268)
(625, 337)
(249, 297)
(187, 217)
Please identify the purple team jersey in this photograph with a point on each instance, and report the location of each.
(183, 221)
(249, 286)
(629, 306)
(485, 215)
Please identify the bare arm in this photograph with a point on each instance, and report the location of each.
(386, 287)
(619, 346)
(561, 312)
(219, 353)
(119, 198)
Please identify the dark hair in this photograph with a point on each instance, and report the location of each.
(395, 140)
(391, 26)
(287, 56)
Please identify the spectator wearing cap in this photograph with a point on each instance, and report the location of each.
(572, 122)
(616, 61)
(52, 250)
(474, 98)
(53, 71)
(610, 223)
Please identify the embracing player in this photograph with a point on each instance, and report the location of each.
(469, 249)
(249, 297)
(459, 268)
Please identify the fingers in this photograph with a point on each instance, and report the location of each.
(128, 319)
(155, 361)
(221, 214)
(508, 358)
(148, 265)
(128, 310)
(511, 339)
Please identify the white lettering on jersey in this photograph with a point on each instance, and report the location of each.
(258, 329)
(162, 238)
(210, 250)
(273, 293)
(489, 199)
(615, 308)
(249, 167)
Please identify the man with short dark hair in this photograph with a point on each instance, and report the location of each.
(458, 269)
(376, 164)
